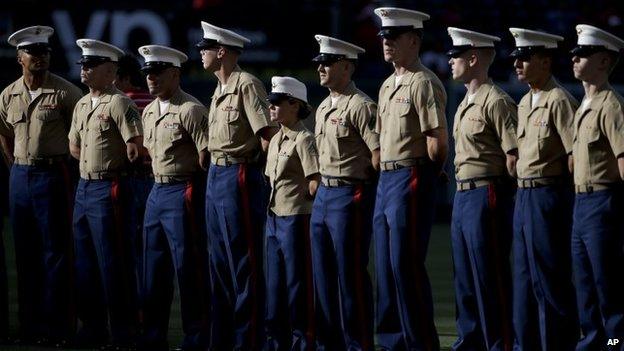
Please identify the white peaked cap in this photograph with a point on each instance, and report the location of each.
(398, 17)
(31, 35)
(223, 36)
(464, 37)
(527, 38)
(92, 47)
(590, 35)
(329, 45)
(289, 86)
(159, 53)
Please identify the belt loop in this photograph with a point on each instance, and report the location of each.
(590, 189)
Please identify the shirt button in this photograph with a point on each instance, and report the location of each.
(87, 129)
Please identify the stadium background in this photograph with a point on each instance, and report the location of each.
(283, 44)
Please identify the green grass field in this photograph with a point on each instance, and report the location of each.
(440, 272)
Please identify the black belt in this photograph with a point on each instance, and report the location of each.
(473, 183)
(542, 181)
(40, 161)
(409, 162)
(337, 182)
(101, 175)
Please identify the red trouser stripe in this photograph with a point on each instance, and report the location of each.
(412, 222)
(195, 245)
(358, 269)
(506, 328)
(247, 225)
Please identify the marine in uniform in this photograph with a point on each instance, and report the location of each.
(35, 117)
(597, 229)
(544, 310)
(174, 237)
(484, 131)
(105, 136)
(414, 141)
(293, 171)
(236, 195)
(343, 208)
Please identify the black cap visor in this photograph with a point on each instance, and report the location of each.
(328, 59)
(587, 50)
(36, 49)
(391, 33)
(155, 67)
(92, 61)
(206, 44)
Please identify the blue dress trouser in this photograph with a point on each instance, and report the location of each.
(544, 306)
(236, 205)
(141, 187)
(105, 267)
(481, 234)
(598, 261)
(340, 231)
(4, 288)
(174, 245)
(404, 211)
(40, 204)
(289, 316)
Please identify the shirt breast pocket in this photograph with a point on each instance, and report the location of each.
(15, 117)
(476, 124)
(544, 125)
(105, 125)
(48, 115)
(177, 135)
(405, 119)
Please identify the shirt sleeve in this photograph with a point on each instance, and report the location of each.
(364, 120)
(430, 104)
(126, 115)
(6, 128)
(74, 130)
(612, 125)
(503, 115)
(563, 118)
(308, 154)
(196, 124)
(256, 106)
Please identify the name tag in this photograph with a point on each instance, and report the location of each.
(340, 121)
(102, 117)
(475, 119)
(171, 125)
(48, 107)
(403, 100)
(540, 123)
(229, 108)
(283, 154)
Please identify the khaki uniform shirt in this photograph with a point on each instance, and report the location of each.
(236, 115)
(174, 137)
(103, 130)
(291, 157)
(599, 139)
(39, 126)
(484, 131)
(345, 135)
(408, 110)
(545, 132)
